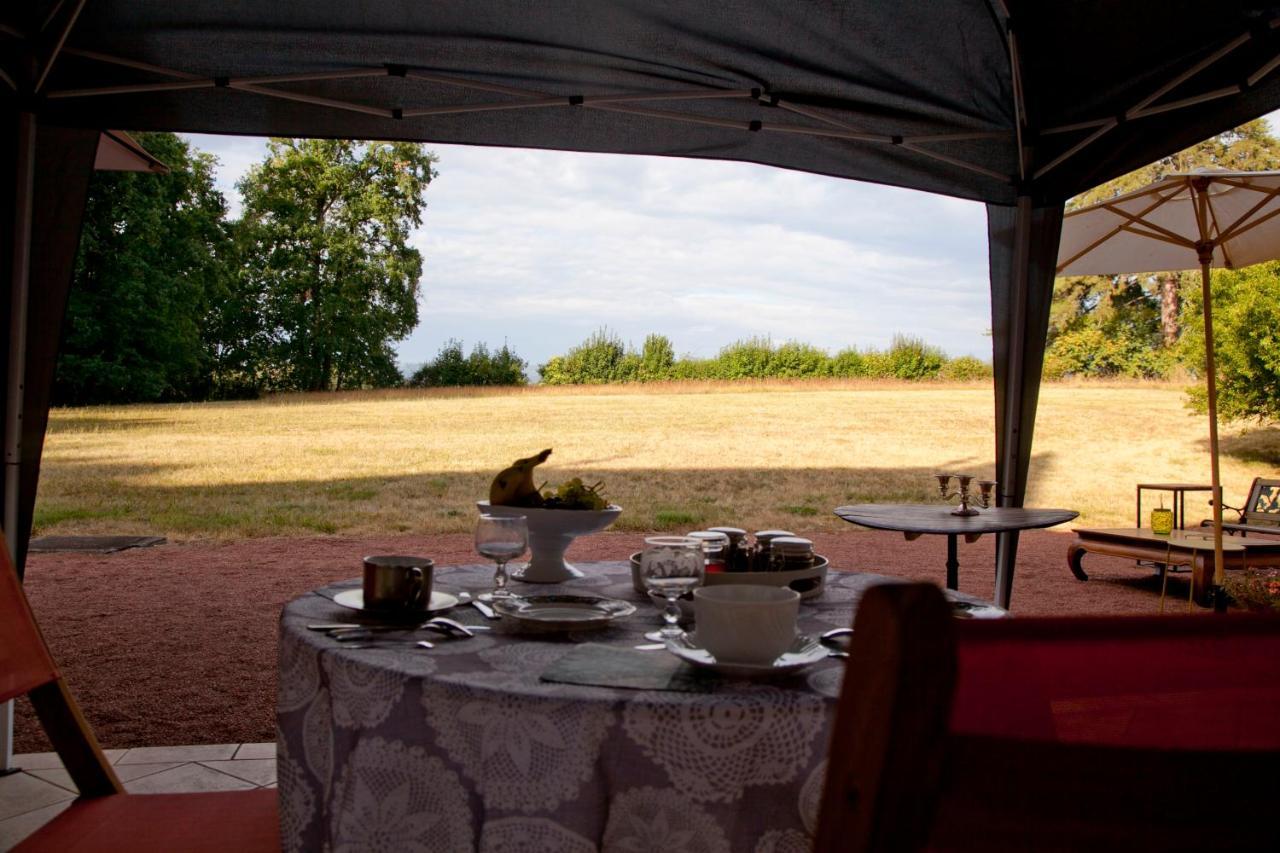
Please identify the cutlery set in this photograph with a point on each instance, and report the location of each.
(357, 636)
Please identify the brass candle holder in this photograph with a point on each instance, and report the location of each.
(983, 499)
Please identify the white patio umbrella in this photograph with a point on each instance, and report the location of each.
(1208, 217)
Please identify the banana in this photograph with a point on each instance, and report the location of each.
(514, 486)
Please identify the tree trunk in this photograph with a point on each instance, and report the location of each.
(1169, 305)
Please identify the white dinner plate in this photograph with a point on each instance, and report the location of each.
(563, 612)
(354, 598)
(805, 651)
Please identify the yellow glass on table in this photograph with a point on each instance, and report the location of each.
(1162, 521)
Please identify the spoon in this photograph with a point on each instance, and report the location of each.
(486, 611)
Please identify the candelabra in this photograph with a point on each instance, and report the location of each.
(983, 500)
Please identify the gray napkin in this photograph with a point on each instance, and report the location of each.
(608, 666)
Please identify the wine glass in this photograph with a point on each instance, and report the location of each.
(671, 565)
(501, 538)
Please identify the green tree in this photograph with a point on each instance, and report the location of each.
(326, 263)
(1141, 317)
(151, 266)
(657, 358)
(1246, 327)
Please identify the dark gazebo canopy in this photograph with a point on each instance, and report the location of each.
(1018, 104)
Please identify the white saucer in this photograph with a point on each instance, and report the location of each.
(804, 652)
(354, 598)
(563, 612)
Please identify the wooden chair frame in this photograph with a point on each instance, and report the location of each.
(105, 817)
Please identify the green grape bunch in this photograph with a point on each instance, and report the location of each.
(574, 494)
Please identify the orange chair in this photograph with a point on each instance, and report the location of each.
(105, 818)
(1093, 734)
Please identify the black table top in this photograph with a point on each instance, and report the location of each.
(937, 518)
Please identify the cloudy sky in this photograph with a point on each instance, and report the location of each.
(541, 248)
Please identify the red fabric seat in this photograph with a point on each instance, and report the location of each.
(105, 819)
(1062, 734)
(215, 822)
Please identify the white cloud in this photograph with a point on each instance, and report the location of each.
(540, 248)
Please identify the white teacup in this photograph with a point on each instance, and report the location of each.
(739, 623)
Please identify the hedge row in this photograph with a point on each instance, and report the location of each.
(604, 358)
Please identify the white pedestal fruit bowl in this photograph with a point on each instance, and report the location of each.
(551, 532)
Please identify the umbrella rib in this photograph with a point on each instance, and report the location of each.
(1114, 231)
(1140, 110)
(1111, 125)
(1189, 73)
(313, 99)
(1224, 92)
(1268, 196)
(1221, 240)
(61, 39)
(1264, 70)
(1255, 223)
(1138, 219)
(954, 161)
(1152, 235)
(130, 63)
(1019, 102)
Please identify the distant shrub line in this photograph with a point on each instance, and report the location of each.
(451, 369)
(604, 358)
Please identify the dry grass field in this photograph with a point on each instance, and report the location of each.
(675, 457)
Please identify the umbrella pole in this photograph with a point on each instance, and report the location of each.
(1210, 372)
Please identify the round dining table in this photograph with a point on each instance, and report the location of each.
(464, 747)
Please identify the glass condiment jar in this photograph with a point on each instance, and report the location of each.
(764, 540)
(715, 545)
(738, 556)
(790, 554)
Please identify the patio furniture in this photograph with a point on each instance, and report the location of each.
(1179, 548)
(1178, 504)
(466, 745)
(1261, 510)
(915, 520)
(1058, 734)
(105, 818)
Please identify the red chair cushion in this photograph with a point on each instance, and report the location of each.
(24, 661)
(215, 822)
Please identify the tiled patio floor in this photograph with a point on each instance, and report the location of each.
(43, 789)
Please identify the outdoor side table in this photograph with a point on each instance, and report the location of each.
(915, 520)
(462, 747)
(1179, 491)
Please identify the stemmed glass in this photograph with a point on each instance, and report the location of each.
(671, 565)
(501, 539)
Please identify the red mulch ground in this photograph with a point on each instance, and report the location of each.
(177, 644)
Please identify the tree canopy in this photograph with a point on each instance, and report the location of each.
(1131, 325)
(152, 264)
(326, 269)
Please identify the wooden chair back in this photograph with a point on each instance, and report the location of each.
(1053, 734)
(26, 667)
(1262, 508)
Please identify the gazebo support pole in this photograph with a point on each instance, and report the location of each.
(1010, 488)
(20, 285)
(1023, 243)
(1211, 380)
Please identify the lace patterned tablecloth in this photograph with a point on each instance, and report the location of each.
(463, 748)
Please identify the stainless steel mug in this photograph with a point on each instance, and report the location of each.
(395, 582)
